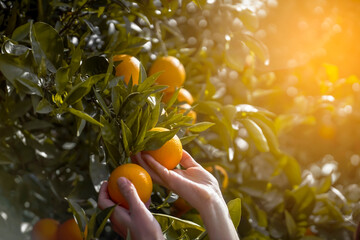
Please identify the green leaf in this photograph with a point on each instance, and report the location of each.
(102, 103)
(61, 79)
(158, 139)
(269, 135)
(256, 134)
(94, 66)
(155, 114)
(110, 132)
(84, 116)
(148, 82)
(12, 48)
(187, 139)
(235, 211)
(235, 54)
(200, 127)
(102, 218)
(167, 221)
(82, 89)
(292, 170)
(258, 48)
(290, 225)
(78, 213)
(173, 99)
(249, 19)
(21, 32)
(126, 137)
(46, 44)
(44, 107)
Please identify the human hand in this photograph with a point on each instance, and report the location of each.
(196, 185)
(137, 218)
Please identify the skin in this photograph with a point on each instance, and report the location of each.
(137, 218)
(199, 188)
(196, 185)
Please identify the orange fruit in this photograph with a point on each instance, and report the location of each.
(225, 181)
(173, 72)
(183, 96)
(137, 175)
(128, 67)
(45, 229)
(170, 154)
(184, 108)
(69, 230)
(182, 205)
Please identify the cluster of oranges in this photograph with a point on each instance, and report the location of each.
(50, 229)
(170, 154)
(172, 75)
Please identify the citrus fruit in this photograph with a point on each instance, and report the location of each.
(45, 229)
(128, 67)
(183, 108)
(69, 230)
(225, 177)
(183, 96)
(173, 72)
(170, 154)
(182, 205)
(137, 175)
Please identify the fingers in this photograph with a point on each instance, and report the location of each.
(139, 158)
(187, 161)
(104, 200)
(120, 214)
(129, 192)
(159, 171)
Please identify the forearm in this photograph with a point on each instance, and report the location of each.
(217, 220)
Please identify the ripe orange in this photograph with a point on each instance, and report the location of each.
(69, 230)
(184, 108)
(173, 72)
(128, 66)
(184, 96)
(45, 229)
(225, 181)
(182, 206)
(137, 175)
(170, 154)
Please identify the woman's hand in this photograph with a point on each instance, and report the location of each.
(199, 188)
(196, 185)
(137, 219)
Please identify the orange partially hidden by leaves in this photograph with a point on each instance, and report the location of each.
(139, 177)
(173, 72)
(170, 154)
(182, 206)
(183, 108)
(225, 181)
(69, 230)
(45, 229)
(183, 96)
(128, 67)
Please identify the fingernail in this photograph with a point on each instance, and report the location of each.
(122, 181)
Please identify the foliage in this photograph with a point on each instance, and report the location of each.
(66, 121)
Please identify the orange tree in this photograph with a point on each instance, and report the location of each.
(67, 120)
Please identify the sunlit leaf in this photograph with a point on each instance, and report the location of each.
(235, 211)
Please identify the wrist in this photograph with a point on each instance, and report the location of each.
(217, 220)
